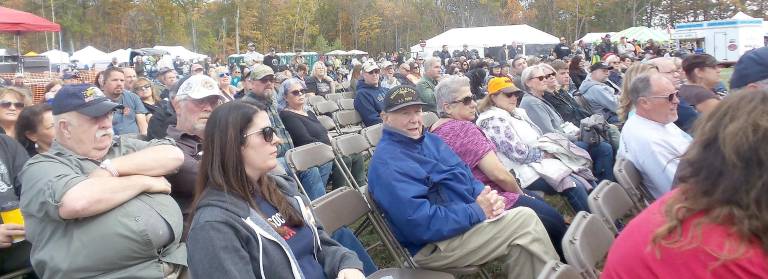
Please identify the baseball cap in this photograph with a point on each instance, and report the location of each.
(695, 61)
(163, 70)
(83, 98)
(71, 75)
(598, 66)
(386, 64)
(260, 71)
(195, 67)
(501, 84)
(751, 67)
(369, 66)
(401, 96)
(198, 87)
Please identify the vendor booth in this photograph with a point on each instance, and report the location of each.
(726, 40)
(531, 41)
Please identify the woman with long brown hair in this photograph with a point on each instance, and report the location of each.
(715, 223)
(249, 223)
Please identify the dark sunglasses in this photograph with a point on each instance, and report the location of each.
(298, 92)
(223, 75)
(517, 94)
(8, 104)
(145, 87)
(267, 132)
(669, 97)
(542, 78)
(465, 101)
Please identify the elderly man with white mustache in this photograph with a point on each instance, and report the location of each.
(193, 99)
(97, 205)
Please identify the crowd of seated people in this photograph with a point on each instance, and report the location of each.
(103, 194)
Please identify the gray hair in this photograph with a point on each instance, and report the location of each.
(446, 90)
(527, 73)
(431, 61)
(314, 66)
(290, 82)
(641, 86)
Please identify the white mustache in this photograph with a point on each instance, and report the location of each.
(105, 132)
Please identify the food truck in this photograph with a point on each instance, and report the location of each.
(726, 40)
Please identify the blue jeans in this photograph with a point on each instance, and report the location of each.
(576, 196)
(602, 156)
(311, 180)
(549, 216)
(346, 238)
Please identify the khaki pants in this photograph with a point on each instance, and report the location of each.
(519, 238)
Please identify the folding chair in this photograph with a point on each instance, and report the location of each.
(586, 242)
(403, 255)
(329, 125)
(348, 95)
(315, 99)
(409, 273)
(630, 179)
(341, 207)
(346, 104)
(349, 121)
(308, 156)
(325, 107)
(429, 118)
(558, 270)
(373, 134)
(347, 145)
(333, 97)
(610, 202)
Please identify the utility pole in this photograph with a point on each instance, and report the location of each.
(237, 27)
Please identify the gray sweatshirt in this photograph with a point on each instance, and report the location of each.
(600, 96)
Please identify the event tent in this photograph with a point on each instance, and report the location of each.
(356, 52)
(88, 55)
(642, 34)
(595, 37)
(336, 52)
(56, 56)
(17, 22)
(182, 52)
(122, 55)
(489, 36)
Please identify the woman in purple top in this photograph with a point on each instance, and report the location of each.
(457, 110)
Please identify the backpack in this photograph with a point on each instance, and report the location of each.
(593, 129)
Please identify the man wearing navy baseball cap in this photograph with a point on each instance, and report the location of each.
(86, 188)
(751, 71)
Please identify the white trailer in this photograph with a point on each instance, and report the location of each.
(726, 40)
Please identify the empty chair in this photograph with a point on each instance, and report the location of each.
(307, 156)
(315, 99)
(340, 207)
(349, 121)
(333, 97)
(558, 270)
(610, 202)
(429, 118)
(325, 107)
(409, 273)
(346, 104)
(373, 134)
(586, 243)
(348, 145)
(329, 125)
(629, 178)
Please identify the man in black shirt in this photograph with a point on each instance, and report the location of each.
(272, 60)
(562, 50)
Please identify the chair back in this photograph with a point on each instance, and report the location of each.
(373, 134)
(629, 178)
(558, 270)
(350, 144)
(327, 122)
(347, 117)
(346, 104)
(333, 97)
(429, 118)
(405, 273)
(325, 107)
(586, 242)
(610, 202)
(340, 207)
(307, 156)
(315, 99)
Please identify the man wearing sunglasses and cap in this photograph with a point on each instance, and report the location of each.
(650, 139)
(109, 192)
(370, 96)
(439, 212)
(601, 97)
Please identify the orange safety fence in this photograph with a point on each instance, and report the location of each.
(36, 82)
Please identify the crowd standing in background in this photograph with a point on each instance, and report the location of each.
(177, 169)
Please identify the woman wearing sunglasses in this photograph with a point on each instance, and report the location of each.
(34, 129)
(457, 111)
(149, 97)
(250, 223)
(12, 102)
(548, 120)
(225, 80)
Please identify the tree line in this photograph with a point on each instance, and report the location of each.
(222, 27)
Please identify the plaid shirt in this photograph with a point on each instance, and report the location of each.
(274, 117)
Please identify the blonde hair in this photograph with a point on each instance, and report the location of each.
(21, 96)
(625, 102)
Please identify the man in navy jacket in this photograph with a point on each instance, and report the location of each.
(370, 96)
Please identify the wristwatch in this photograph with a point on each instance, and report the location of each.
(107, 165)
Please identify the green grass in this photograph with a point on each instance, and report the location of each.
(725, 77)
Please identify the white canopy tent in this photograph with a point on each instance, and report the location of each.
(590, 38)
(88, 55)
(56, 56)
(356, 52)
(336, 52)
(181, 52)
(489, 36)
(122, 55)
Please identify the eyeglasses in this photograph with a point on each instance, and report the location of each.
(465, 101)
(669, 97)
(542, 78)
(268, 133)
(223, 75)
(145, 87)
(237, 72)
(8, 104)
(298, 92)
(517, 94)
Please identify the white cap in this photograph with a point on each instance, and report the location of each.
(369, 66)
(198, 87)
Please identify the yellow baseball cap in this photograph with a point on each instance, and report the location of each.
(501, 84)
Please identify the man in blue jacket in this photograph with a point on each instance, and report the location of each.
(601, 97)
(370, 96)
(437, 210)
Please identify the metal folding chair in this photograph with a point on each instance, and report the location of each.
(610, 202)
(630, 179)
(558, 270)
(586, 242)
